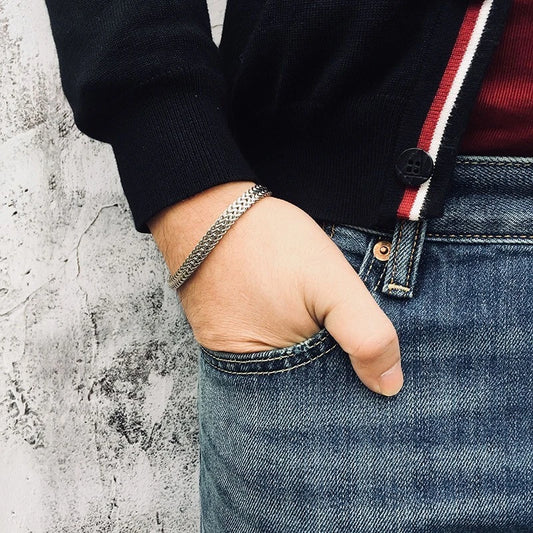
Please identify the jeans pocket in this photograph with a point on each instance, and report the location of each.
(274, 360)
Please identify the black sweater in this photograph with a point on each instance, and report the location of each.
(317, 100)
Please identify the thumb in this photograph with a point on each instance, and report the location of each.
(349, 312)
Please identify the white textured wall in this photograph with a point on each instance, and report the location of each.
(98, 429)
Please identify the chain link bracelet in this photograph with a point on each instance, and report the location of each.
(216, 232)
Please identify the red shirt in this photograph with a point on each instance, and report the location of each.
(501, 122)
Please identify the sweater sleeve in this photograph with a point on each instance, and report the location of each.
(145, 76)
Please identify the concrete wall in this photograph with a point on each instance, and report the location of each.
(98, 428)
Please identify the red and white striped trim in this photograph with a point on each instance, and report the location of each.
(432, 133)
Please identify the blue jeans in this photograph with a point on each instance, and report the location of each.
(292, 442)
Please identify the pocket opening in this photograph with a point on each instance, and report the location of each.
(273, 360)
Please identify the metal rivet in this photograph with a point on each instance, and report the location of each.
(382, 250)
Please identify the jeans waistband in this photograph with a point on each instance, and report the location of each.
(491, 197)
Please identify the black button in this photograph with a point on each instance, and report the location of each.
(414, 167)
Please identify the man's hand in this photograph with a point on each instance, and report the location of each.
(273, 280)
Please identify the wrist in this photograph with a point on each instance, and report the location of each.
(178, 228)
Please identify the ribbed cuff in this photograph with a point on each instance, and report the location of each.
(171, 146)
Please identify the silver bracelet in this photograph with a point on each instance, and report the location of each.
(216, 232)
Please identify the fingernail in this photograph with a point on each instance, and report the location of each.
(391, 381)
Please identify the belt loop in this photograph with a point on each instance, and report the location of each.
(404, 257)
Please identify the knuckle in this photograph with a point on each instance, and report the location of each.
(374, 346)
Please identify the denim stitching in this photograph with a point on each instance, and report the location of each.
(370, 268)
(332, 231)
(381, 277)
(272, 371)
(261, 360)
(479, 236)
(451, 235)
(497, 164)
(409, 270)
(396, 287)
(396, 252)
